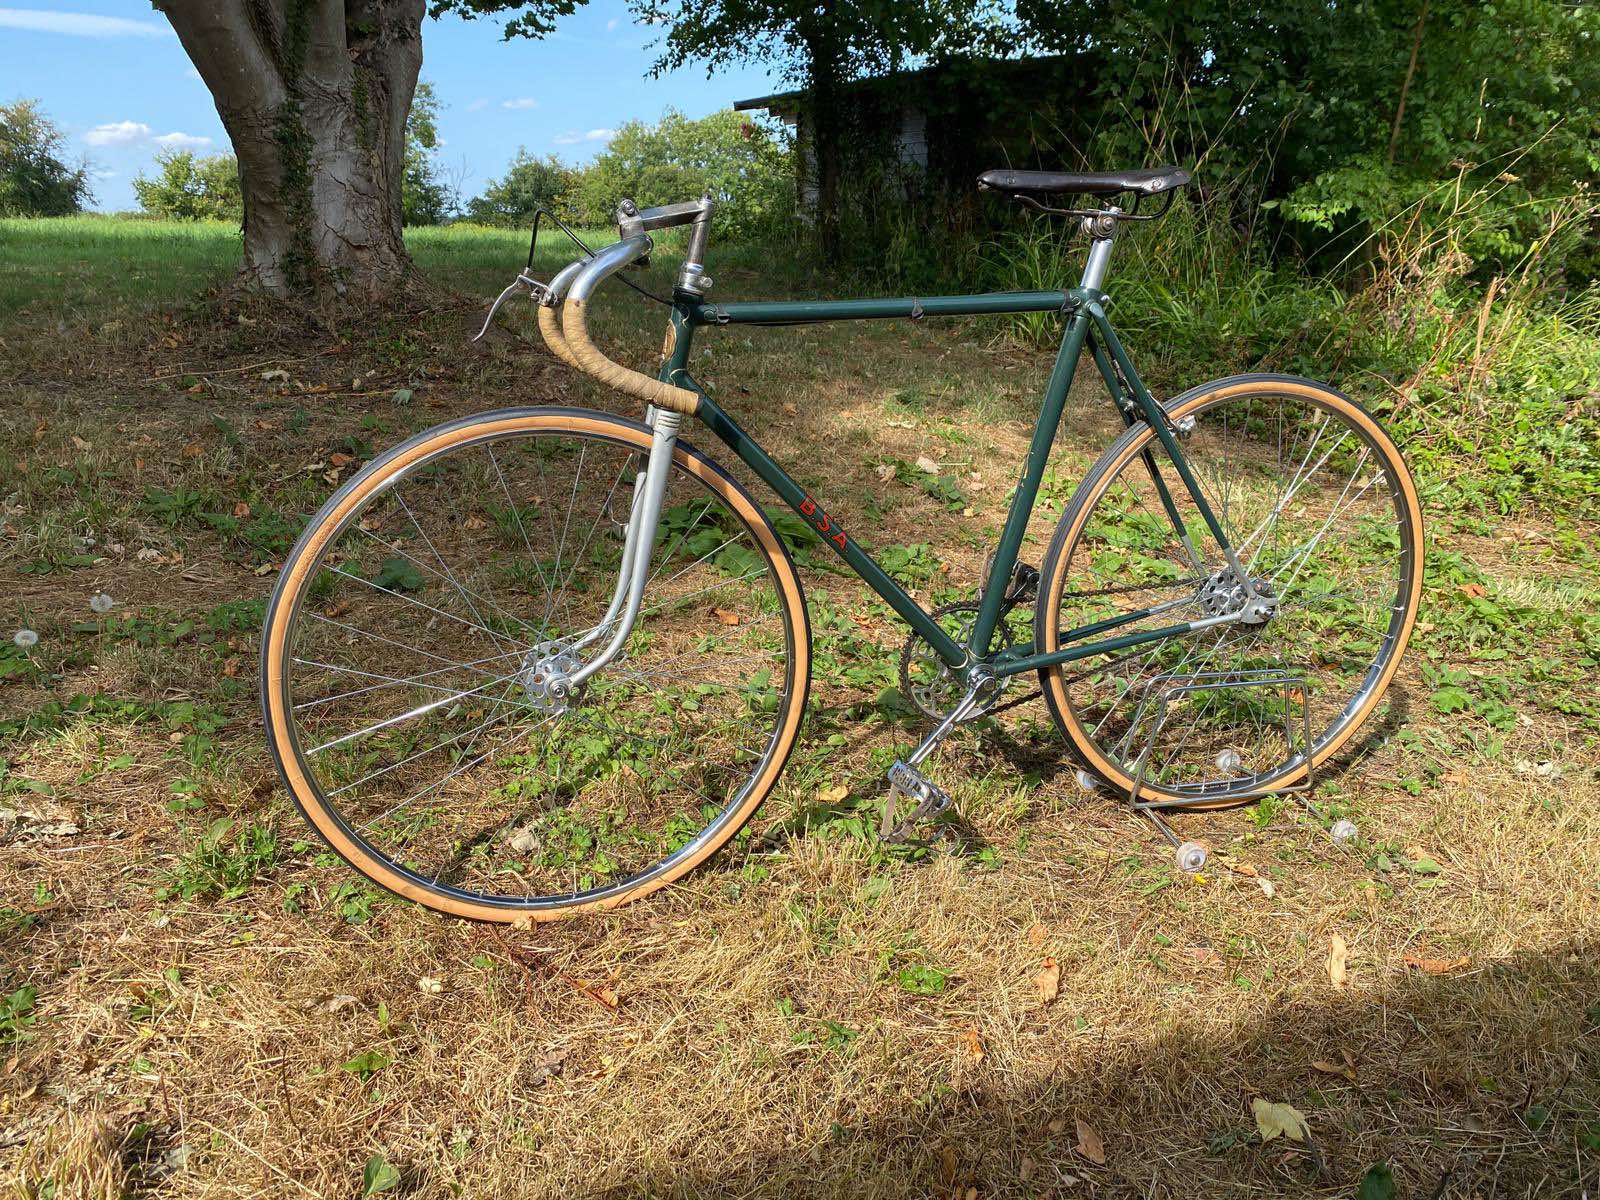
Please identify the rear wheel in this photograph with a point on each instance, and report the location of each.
(420, 641)
(1324, 519)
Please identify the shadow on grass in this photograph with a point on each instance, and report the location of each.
(1472, 1084)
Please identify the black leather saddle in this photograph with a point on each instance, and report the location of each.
(1150, 181)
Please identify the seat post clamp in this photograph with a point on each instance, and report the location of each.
(1100, 225)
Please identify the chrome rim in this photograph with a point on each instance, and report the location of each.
(1315, 508)
(428, 662)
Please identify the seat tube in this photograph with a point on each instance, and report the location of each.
(1102, 231)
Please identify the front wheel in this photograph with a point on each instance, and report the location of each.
(1324, 520)
(418, 649)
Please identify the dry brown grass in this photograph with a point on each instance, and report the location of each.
(746, 1033)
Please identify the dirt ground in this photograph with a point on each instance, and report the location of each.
(1041, 1005)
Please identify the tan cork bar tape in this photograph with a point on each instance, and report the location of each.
(550, 328)
(575, 324)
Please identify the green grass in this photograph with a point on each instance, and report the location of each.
(87, 264)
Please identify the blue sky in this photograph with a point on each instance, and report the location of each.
(116, 81)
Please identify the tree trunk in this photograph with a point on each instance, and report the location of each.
(314, 95)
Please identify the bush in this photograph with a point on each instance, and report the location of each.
(529, 183)
(746, 167)
(186, 188)
(34, 181)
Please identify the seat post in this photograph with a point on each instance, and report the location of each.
(1102, 231)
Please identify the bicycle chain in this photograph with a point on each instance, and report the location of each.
(972, 606)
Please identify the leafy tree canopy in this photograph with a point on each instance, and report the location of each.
(529, 184)
(744, 165)
(187, 188)
(34, 180)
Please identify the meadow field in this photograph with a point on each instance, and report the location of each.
(197, 999)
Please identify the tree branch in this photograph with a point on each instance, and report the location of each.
(222, 42)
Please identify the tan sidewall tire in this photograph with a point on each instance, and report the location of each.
(309, 550)
(1110, 464)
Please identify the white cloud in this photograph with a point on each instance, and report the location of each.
(119, 133)
(181, 141)
(80, 24)
(572, 137)
(123, 135)
(478, 105)
(612, 24)
(520, 103)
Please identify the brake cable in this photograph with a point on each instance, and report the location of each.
(533, 243)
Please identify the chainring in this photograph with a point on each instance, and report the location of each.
(924, 678)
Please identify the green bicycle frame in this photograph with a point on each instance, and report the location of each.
(1085, 324)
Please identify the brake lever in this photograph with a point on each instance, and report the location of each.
(539, 292)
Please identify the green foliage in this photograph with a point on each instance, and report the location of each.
(187, 188)
(34, 181)
(367, 1064)
(529, 183)
(223, 863)
(379, 1175)
(745, 166)
(530, 18)
(425, 195)
(16, 1014)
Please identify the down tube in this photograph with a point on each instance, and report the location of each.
(792, 494)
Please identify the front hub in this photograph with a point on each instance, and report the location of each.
(546, 677)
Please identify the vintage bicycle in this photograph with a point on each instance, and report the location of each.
(546, 660)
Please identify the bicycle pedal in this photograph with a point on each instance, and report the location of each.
(931, 799)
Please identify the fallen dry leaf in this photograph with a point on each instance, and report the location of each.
(1242, 869)
(885, 471)
(1475, 590)
(241, 510)
(79, 444)
(547, 1065)
(1279, 1120)
(725, 616)
(834, 794)
(1330, 1068)
(948, 1164)
(340, 460)
(193, 449)
(1048, 980)
(1036, 934)
(1266, 887)
(973, 1044)
(927, 465)
(1338, 958)
(1436, 966)
(1090, 1144)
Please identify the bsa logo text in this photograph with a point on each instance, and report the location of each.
(824, 523)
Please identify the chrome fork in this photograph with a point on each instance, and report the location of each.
(645, 517)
